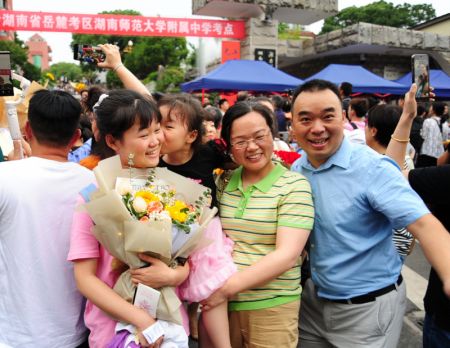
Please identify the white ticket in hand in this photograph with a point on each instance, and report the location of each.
(147, 298)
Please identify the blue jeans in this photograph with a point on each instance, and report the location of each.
(433, 336)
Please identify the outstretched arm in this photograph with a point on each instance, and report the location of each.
(400, 138)
(289, 245)
(435, 242)
(113, 62)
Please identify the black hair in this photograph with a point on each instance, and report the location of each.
(286, 105)
(190, 111)
(241, 109)
(157, 95)
(372, 101)
(438, 108)
(261, 99)
(359, 106)
(346, 88)
(421, 109)
(242, 96)
(53, 117)
(118, 112)
(222, 101)
(85, 127)
(93, 94)
(384, 118)
(277, 101)
(313, 86)
(213, 114)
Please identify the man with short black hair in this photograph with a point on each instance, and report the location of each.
(40, 304)
(224, 105)
(356, 295)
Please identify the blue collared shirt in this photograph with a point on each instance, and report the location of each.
(359, 197)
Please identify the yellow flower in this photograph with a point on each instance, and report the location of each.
(176, 213)
(50, 76)
(147, 196)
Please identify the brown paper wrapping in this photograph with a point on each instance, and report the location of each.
(124, 237)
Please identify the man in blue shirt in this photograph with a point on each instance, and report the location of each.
(356, 296)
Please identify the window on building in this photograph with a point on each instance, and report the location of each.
(37, 61)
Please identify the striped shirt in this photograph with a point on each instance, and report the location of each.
(251, 217)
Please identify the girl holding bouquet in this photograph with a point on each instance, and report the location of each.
(127, 123)
(184, 154)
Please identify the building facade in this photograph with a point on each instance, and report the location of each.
(39, 52)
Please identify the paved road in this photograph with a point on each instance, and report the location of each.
(415, 272)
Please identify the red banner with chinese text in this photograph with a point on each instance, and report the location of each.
(119, 25)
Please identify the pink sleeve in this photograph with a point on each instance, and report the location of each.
(83, 244)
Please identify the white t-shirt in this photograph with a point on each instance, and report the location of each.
(446, 131)
(357, 136)
(39, 302)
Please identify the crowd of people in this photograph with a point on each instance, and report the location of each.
(315, 218)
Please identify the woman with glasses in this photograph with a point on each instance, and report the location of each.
(268, 212)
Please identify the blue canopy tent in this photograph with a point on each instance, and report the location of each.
(363, 80)
(243, 75)
(438, 79)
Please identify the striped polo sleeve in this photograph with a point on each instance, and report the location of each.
(295, 208)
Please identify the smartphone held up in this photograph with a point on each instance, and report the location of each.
(88, 54)
(421, 75)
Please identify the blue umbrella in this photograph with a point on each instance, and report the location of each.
(244, 75)
(438, 79)
(363, 80)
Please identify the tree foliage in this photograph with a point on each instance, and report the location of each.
(147, 52)
(69, 70)
(382, 13)
(170, 80)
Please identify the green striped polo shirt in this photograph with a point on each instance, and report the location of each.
(250, 218)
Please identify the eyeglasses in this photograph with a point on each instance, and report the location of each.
(258, 139)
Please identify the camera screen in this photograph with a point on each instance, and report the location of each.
(421, 75)
(88, 54)
(6, 86)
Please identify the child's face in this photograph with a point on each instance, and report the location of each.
(210, 131)
(144, 144)
(177, 137)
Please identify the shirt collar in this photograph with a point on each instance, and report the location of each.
(263, 185)
(340, 158)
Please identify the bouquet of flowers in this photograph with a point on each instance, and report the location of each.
(152, 211)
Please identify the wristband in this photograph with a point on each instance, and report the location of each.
(399, 140)
(117, 67)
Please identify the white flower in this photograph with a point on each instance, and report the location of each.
(139, 205)
(124, 188)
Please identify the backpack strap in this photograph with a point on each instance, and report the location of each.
(87, 191)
